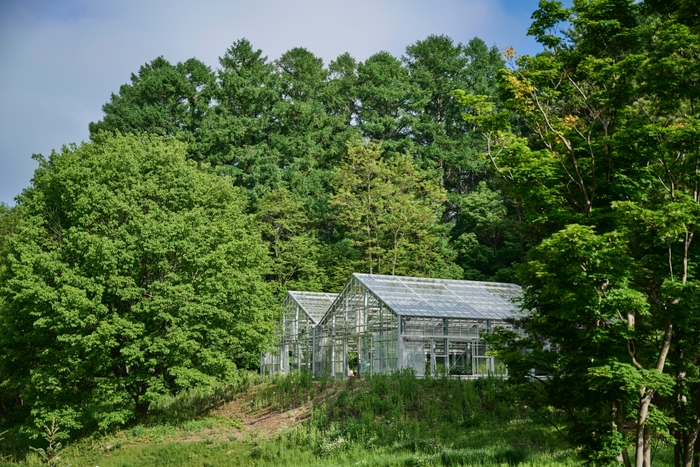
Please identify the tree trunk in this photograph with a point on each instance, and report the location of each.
(690, 441)
(142, 409)
(641, 434)
(647, 446)
(619, 421)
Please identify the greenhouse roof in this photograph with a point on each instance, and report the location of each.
(415, 296)
(314, 304)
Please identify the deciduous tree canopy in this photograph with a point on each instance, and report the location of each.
(605, 170)
(132, 273)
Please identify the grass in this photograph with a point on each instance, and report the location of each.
(395, 420)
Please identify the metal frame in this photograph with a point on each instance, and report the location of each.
(294, 350)
(433, 326)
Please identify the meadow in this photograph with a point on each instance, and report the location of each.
(294, 420)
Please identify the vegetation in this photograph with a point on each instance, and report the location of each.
(390, 214)
(132, 274)
(346, 423)
(602, 155)
(287, 132)
(145, 266)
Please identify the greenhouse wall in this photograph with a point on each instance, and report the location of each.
(295, 335)
(357, 336)
(381, 324)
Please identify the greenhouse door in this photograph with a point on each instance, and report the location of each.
(365, 356)
(481, 363)
(439, 359)
(285, 350)
(414, 352)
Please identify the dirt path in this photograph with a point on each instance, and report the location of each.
(266, 422)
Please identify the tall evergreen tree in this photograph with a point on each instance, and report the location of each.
(451, 149)
(162, 99)
(389, 102)
(307, 138)
(237, 128)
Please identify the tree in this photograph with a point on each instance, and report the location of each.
(449, 148)
(389, 102)
(309, 135)
(9, 218)
(9, 398)
(389, 212)
(611, 158)
(162, 99)
(237, 128)
(294, 248)
(444, 142)
(341, 96)
(132, 274)
(487, 236)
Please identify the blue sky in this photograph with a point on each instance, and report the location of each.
(61, 59)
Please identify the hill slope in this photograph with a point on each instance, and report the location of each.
(294, 420)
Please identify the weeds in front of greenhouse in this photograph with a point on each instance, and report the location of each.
(295, 420)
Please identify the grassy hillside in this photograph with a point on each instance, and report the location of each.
(294, 420)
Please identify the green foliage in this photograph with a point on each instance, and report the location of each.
(294, 248)
(284, 124)
(389, 212)
(546, 19)
(389, 100)
(235, 137)
(604, 168)
(162, 99)
(9, 218)
(352, 423)
(446, 145)
(489, 241)
(132, 274)
(51, 454)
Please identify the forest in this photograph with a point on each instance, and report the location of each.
(151, 260)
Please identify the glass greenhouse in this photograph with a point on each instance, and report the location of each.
(381, 324)
(301, 312)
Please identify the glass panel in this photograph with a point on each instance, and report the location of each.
(360, 331)
(415, 356)
(480, 365)
(460, 357)
(411, 296)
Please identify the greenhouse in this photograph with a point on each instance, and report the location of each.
(382, 324)
(301, 312)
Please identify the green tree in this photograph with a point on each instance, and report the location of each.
(607, 178)
(9, 218)
(341, 95)
(487, 236)
(237, 129)
(162, 99)
(451, 149)
(294, 248)
(445, 142)
(390, 214)
(389, 102)
(308, 136)
(9, 398)
(132, 274)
